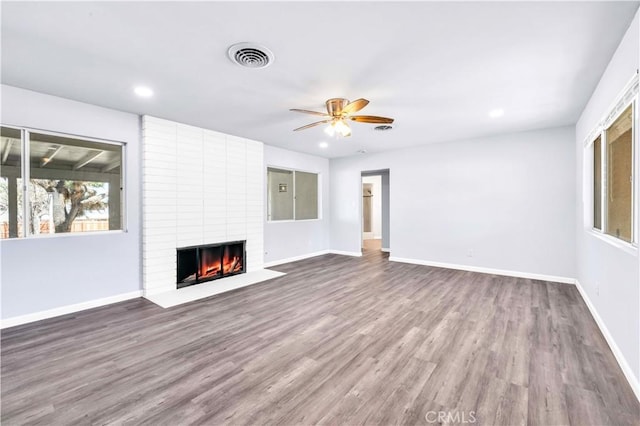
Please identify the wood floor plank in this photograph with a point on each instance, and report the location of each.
(338, 340)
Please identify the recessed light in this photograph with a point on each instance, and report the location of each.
(495, 113)
(323, 145)
(143, 91)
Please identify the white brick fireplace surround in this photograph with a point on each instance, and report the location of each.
(199, 187)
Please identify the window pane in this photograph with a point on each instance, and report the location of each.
(306, 196)
(619, 166)
(597, 183)
(10, 174)
(75, 185)
(280, 194)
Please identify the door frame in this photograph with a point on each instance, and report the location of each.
(386, 225)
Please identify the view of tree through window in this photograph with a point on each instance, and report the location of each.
(75, 186)
(68, 206)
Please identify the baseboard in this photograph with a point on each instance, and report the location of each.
(386, 250)
(617, 353)
(542, 277)
(309, 255)
(346, 253)
(295, 258)
(69, 309)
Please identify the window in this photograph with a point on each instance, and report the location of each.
(73, 185)
(291, 195)
(280, 194)
(10, 182)
(613, 181)
(619, 188)
(306, 198)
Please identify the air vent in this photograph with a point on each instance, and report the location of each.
(250, 55)
(382, 128)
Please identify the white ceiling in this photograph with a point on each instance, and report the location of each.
(436, 67)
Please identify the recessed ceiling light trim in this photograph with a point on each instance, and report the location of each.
(496, 113)
(143, 91)
(250, 55)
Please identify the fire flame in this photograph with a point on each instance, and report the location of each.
(229, 265)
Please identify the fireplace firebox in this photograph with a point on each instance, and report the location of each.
(198, 264)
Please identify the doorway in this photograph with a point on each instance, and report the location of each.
(375, 211)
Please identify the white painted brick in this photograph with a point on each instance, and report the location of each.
(213, 238)
(159, 144)
(165, 178)
(158, 137)
(199, 186)
(152, 120)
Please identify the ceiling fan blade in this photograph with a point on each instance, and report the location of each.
(355, 106)
(371, 119)
(317, 123)
(306, 111)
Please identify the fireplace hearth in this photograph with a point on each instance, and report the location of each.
(199, 264)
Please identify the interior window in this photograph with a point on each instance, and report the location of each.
(291, 195)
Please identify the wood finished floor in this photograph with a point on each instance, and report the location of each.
(338, 340)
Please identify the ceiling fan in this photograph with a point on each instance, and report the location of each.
(338, 111)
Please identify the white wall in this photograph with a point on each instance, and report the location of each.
(200, 187)
(599, 263)
(289, 239)
(376, 206)
(506, 200)
(50, 272)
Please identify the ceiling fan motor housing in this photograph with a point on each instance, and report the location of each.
(336, 105)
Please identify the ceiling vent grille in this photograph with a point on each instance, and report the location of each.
(382, 128)
(250, 55)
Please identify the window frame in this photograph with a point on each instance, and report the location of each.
(25, 169)
(593, 189)
(293, 170)
(600, 131)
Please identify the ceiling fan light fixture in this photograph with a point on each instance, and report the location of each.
(339, 110)
(330, 129)
(338, 128)
(342, 128)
